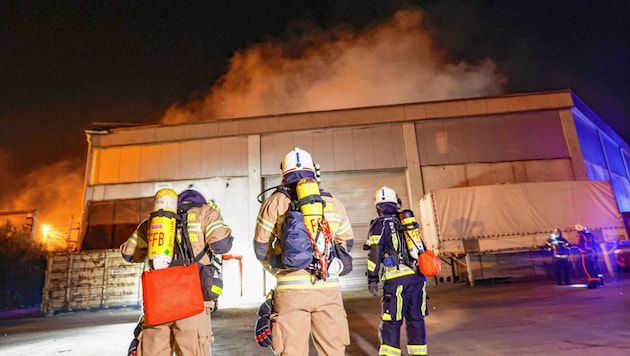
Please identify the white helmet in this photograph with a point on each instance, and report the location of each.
(386, 194)
(295, 165)
(582, 228)
(556, 233)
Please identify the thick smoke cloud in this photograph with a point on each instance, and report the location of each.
(395, 62)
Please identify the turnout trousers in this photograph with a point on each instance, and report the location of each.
(300, 313)
(591, 269)
(190, 336)
(562, 270)
(403, 298)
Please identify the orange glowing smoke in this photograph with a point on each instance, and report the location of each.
(393, 63)
(56, 192)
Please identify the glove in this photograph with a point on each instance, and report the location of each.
(262, 329)
(373, 288)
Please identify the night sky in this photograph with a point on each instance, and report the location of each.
(67, 64)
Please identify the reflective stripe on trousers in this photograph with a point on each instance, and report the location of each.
(403, 298)
(303, 281)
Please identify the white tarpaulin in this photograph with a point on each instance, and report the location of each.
(508, 216)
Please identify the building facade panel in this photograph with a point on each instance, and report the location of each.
(192, 156)
(364, 148)
(489, 173)
(108, 165)
(223, 157)
(150, 155)
(614, 158)
(443, 177)
(554, 170)
(591, 146)
(170, 161)
(129, 170)
(626, 161)
(495, 138)
(621, 187)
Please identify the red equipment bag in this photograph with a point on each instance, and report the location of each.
(429, 264)
(171, 294)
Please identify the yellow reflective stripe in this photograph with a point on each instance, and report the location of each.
(395, 273)
(266, 225)
(215, 225)
(330, 216)
(134, 239)
(214, 205)
(194, 227)
(345, 227)
(423, 306)
(371, 266)
(399, 302)
(216, 289)
(306, 282)
(417, 349)
(389, 350)
(374, 239)
(395, 241)
(138, 241)
(333, 221)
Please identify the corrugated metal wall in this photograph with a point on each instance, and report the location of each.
(355, 149)
(356, 191)
(217, 157)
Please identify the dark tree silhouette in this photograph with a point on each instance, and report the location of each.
(22, 267)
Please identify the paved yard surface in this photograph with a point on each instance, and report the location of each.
(518, 318)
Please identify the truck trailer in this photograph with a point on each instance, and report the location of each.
(494, 220)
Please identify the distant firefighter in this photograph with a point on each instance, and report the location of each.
(589, 251)
(561, 250)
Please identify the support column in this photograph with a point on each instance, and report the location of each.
(415, 187)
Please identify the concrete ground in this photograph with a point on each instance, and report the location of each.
(517, 318)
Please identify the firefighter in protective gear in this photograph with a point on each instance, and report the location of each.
(561, 251)
(404, 294)
(303, 304)
(207, 233)
(589, 251)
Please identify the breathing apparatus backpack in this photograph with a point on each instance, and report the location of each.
(411, 231)
(306, 239)
(162, 229)
(210, 274)
(393, 243)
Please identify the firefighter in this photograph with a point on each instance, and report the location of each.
(561, 251)
(589, 251)
(304, 304)
(207, 233)
(404, 295)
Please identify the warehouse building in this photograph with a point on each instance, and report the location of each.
(415, 148)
